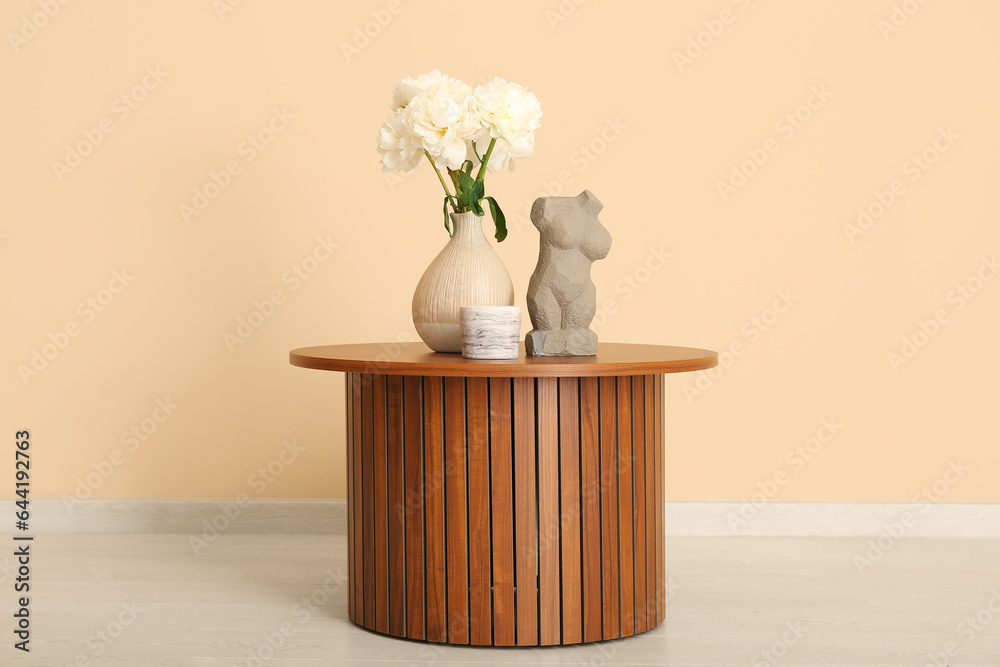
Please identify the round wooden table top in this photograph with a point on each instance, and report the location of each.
(417, 359)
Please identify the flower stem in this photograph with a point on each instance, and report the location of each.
(486, 159)
(458, 190)
(438, 172)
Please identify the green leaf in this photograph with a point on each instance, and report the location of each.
(476, 194)
(447, 220)
(498, 219)
(465, 185)
(468, 167)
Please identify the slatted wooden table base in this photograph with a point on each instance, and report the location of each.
(499, 509)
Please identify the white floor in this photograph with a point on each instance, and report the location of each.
(147, 600)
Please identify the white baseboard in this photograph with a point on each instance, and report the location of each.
(143, 515)
(820, 519)
(682, 518)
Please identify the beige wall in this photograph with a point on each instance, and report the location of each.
(170, 95)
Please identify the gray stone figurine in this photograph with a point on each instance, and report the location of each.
(562, 299)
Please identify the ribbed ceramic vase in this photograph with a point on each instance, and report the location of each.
(467, 272)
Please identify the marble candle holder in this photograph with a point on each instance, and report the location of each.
(490, 332)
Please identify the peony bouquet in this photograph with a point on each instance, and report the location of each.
(462, 130)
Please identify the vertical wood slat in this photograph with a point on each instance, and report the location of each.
(456, 523)
(651, 513)
(434, 513)
(368, 509)
(358, 505)
(625, 460)
(570, 509)
(480, 599)
(525, 511)
(590, 469)
(639, 499)
(502, 501)
(379, 503)
(547, 398)
(505, 511)
(660, 556)
(394, 505)
(609, 507)
(351, 573)
(413, 506)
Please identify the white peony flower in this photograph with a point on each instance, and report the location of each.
(509, 112)
(443, 119)
(410, 87)
(400, 150)
(444, 116)
(503, 154)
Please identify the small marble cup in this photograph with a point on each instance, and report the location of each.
(490, 332)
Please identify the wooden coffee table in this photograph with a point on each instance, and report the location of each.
(505, 502)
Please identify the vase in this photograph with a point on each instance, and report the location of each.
(467, 272)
